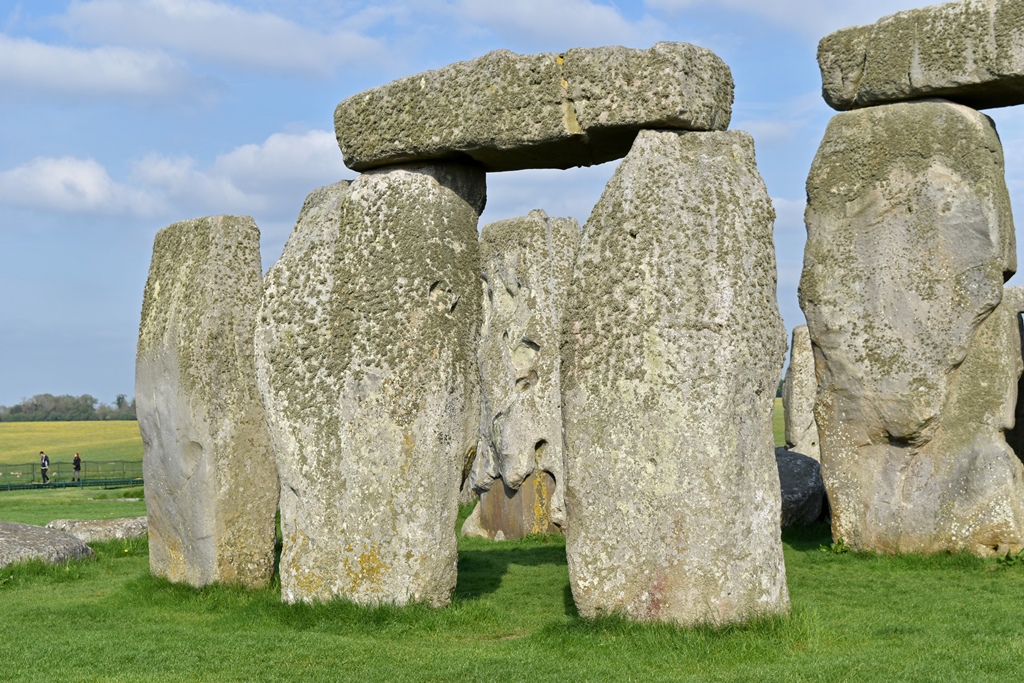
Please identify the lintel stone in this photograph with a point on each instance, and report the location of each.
(969, 52)
(508, 112)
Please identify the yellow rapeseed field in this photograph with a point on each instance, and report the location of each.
(20, 442)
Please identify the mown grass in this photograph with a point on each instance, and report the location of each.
(779, 423)
(43, 506)
(20, 442)
(855, 618)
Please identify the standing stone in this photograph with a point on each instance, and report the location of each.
(798, 394)
(508, 112)
(672, 349)
(526, 265)
(1014, 298)
(910, 238)
(211, 483)
(366, 366)
(970, 52)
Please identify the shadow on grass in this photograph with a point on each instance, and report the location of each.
(804, 538)
(481, 569)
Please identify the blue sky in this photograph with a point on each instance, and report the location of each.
(122, 116)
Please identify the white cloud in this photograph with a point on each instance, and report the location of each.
(569, 193)
(813, 18)
(219, 32)
(29, 66)
(559, 25)
(70, 185)
(306, 159)
(270, 179)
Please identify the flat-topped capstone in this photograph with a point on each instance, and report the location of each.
(509, 112)
(969, 52)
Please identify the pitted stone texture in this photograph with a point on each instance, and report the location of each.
(507, 111)
(803, 492)
(798, 394)
(367, 368)
(1013, 297)
(970, 52)
(23, 542)
(91, 530)
(211, 484)
(504, 513)
(526, 266)
(672, 349)
(909, 240)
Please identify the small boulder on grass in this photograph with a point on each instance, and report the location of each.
(92, 530)
(20, 542)
(803, 492)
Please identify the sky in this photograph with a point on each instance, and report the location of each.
(123, 116)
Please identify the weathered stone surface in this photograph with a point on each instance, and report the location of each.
(366, 365)
(909, 240)
(504, 513)
(507, 111)
(211, 483)
(798, 394)
(21, 542)
(90, 530)
(803, 492)
(1013, 297)
(970, 52)
(526, 267)
(672, 349)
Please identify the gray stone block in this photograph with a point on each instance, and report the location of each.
(672, 348)
(526, 266)
(211, 483)
(90, 530)
(506, 111)
(366, 364)
(910, 238)
(798, 395)
(23, 542)
(969, 52)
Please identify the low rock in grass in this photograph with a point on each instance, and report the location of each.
(92, 530)
(21, 542)
(803, 492)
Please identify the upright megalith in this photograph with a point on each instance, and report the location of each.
(526, 267)
(672, 347)
(211, 483)
(969, 52)
(507, 111)
(367, 370)
(798, 395)
(909, 241)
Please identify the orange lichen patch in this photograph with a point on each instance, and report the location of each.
(368, 571)
(541, 504)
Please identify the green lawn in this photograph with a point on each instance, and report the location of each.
(855, 618)
(20, 442)
(44, 506)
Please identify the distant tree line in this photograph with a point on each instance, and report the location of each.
(50, 408)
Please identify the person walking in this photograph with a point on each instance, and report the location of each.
(76, 474)
(44, 466)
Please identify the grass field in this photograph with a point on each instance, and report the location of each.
(42, 507)
(20, 442)
(856, 617)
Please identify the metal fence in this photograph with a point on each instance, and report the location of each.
(94, 473)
